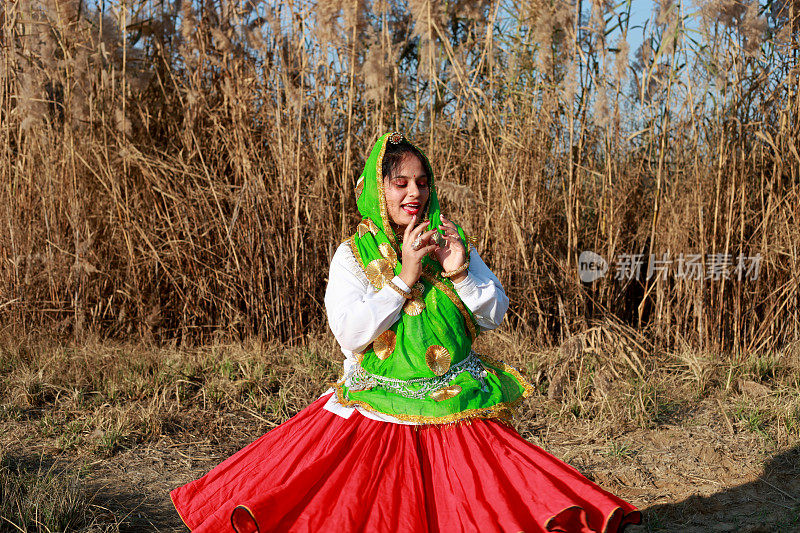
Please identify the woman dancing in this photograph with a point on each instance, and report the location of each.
(414, 437)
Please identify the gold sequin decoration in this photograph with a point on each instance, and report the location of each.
(384, 344)
(366, 226)
(378, 272)
(359, 187)
(413, 306)
(445, 393)
(438, 359)
(388, 252)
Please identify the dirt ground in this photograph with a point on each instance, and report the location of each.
(699, 473)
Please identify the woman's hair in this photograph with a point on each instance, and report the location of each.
(395, 153)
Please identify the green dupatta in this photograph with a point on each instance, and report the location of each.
(422, 369)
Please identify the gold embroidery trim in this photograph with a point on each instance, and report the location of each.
(502, 365)
(388, 252)
(456, 300)
(366, 226)
(354, 248)
(359, 188)
(502, 411)
(387, 228)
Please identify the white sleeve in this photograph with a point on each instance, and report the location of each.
(357, 313)
(482, 293)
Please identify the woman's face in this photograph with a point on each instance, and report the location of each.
(406, 191)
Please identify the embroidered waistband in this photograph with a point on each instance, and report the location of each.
(418, 388)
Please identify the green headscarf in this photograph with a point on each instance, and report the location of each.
(422, 368)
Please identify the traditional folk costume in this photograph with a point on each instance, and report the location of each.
(414, 437)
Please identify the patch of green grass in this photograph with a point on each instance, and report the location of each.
(10, 413)
(647, 402)
(71, 436)
(619, 449)
(763, 366)
(791, 420)
(754, 420)
(576, 409)
(108, 442)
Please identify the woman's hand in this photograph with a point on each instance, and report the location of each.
(412, 259)
(453, 254)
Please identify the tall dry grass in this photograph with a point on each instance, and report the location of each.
(179, 169)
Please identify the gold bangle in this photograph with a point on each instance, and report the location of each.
(404, 294)
(457, 271)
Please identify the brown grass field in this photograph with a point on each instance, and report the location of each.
(94, 436)
(175, 176)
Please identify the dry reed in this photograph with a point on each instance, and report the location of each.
(175, 170)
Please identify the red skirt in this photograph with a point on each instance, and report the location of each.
(322, 472)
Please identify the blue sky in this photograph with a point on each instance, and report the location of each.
(640, 12)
